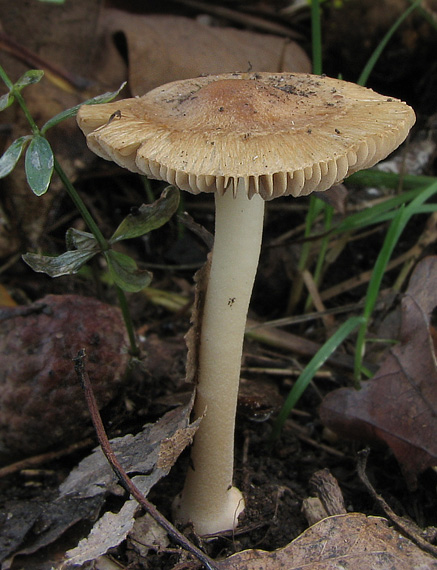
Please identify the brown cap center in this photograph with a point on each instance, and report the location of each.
(241, 105)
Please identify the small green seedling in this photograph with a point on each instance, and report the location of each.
(40, 163)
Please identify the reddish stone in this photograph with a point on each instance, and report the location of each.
(41, 400)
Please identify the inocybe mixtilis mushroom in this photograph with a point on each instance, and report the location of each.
(248, 138)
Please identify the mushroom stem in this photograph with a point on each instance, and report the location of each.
(208, 499)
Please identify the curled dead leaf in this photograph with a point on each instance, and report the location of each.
(399, 404)
(341, 542)
(163, 48)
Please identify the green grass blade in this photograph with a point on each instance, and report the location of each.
(364, 76)
(395, 230)
(312, 367)
(379, 212)
(316, 37)
(379, 178)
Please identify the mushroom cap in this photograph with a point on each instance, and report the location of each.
(271, 134)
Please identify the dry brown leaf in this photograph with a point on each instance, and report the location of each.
(399, 405)
(342, 542)
(166, 48)
(31, 525)
(193, 335)
(62, 33)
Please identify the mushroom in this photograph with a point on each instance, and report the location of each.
(247, 138)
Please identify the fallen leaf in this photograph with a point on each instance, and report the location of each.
(172, 447)
(167, 48)
(31, 525)
(399, 404)
(66, 31)
(147, 534)
(341, 542)
(109, 531)
(192, 338)
(42, 403)
(139, 454)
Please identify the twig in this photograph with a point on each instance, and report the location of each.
(30, 58)
(302, 434)
(239, 17)
(411, 255)
(43, 458)
(313, 290)
(288, 341)
(123, 478)
(398, 521)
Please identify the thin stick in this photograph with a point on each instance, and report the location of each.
(32, 59)
(401, 523)
(43, 458)
(123, 478)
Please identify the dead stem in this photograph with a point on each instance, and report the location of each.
(44, 458)
(404, 525)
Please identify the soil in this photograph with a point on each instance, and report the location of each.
(275, 476)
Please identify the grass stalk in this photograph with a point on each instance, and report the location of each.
(394, 232)
(364, 76)
(316, 37)
(312, 367)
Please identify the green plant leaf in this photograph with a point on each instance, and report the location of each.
(65, 264)
(125, 272)
(29, 78)
(148, 217)
(72, 112)
(77, 239)
(12, 155)
(6, 101)
(39, 165)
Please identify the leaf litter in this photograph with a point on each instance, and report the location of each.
(149, 455)
(188, 48)
(336, 542)
(309, 541)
